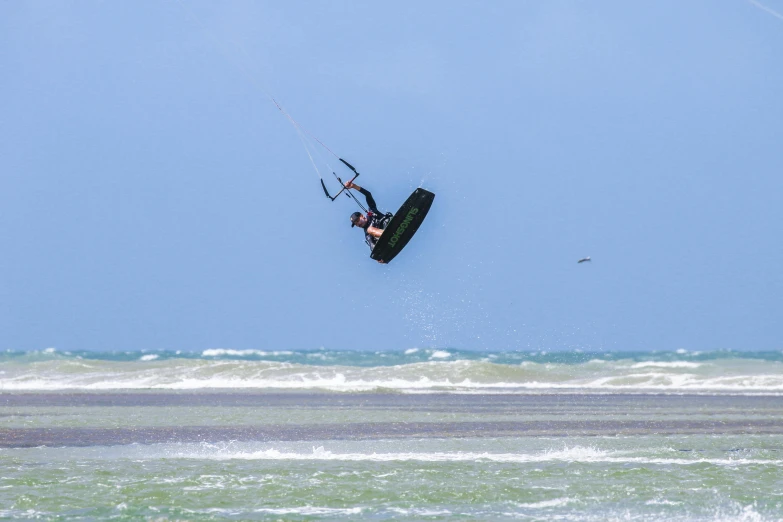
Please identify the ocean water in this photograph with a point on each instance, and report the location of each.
(418, 434)
(410, 371)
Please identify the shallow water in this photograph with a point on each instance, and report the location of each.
(648, 478)
(326, 456)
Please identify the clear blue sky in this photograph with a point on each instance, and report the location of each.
(154, 198)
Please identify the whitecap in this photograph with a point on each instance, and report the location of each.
(311, 511)
(556, 502)
(667, 364)
(220, 352)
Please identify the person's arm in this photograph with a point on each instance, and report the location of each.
(370, 201)
(374, 232)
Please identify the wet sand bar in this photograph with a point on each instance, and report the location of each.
(566, 415)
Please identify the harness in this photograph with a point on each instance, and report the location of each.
(377, 221)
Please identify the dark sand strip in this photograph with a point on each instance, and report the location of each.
(447, 402)
(572, 415)
(57, 437)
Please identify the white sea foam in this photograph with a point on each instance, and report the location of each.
(555, 502)
(311, 511)
(330, 380)
(222, 352)
(443, 376)
(420, 512)
(29, 514)
(578, 454)
(667, 364)
(662, 502)
(410, 351)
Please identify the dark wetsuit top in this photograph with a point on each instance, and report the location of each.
(375, 218)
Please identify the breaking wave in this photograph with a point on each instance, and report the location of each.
(409, 371)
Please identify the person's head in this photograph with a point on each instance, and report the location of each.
(358, 220)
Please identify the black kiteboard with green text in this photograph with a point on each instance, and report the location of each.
(403, 225)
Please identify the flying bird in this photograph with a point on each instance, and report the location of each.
(584, 259)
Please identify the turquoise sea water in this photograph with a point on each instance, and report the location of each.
(422, 435)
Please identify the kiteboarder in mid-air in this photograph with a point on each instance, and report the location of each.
(384, 246)
(375, 220)
(400, 227)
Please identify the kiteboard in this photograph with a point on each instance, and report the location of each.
(403, 225)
